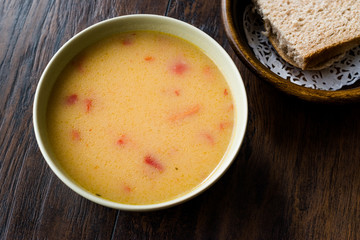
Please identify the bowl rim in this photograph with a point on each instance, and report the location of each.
(240, 46)
(241, 107)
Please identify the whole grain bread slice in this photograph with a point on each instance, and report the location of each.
(311, 34)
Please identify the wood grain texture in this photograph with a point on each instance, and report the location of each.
(30, 193)
(296, 175)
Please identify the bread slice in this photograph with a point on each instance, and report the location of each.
(311, 34)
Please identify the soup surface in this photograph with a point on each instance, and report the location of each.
(140, 117)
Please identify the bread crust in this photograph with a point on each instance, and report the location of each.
(315, 59)
(273, 40)
(325, 57)
(318, 60)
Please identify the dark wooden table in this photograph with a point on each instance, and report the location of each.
(297, 175)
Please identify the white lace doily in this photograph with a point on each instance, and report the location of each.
(340, 74)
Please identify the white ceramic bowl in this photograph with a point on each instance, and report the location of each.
(129, 23)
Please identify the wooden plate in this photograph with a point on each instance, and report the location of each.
(232, 16)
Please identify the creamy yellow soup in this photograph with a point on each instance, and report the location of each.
(140, 117)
